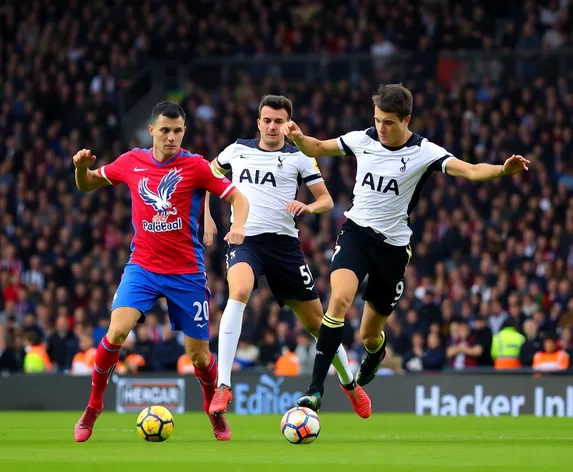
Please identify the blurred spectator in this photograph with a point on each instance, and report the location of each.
(143, 349)
(434, 354)
(532, 344)
(167, 352)
(36, 359)
(399, 341)
(185, 366)
(305, 351)
(7, 361)
(62, 344)
(551, 359)
(463, 352)
(393, 363)
(12, 352)
(566, 339)
(506, 347)
(288, 363)
(83, 362)
(131, 361)
(413, 358)
(247, 355)
(483, 338)
(270, 350)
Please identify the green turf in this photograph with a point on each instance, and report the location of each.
(39, 441)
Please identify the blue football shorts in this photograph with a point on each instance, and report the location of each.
(187, 298)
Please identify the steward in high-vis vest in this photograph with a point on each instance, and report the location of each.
(506, 346)
(552, 358)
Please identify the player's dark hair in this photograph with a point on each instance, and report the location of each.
(276, 102)
(168, 109)
(394, 98)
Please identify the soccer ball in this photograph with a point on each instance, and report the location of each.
(300, 425)
(155, 423)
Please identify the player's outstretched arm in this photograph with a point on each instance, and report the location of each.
(483, 172)
(322, 201)
(236, 234)
(209, 226)
(311, 147)
(86, 179)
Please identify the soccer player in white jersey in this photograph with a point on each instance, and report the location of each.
(392, 166)
(269, 171)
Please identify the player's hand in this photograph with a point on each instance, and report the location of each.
(296, 208)
(515, 165)
(209, 231)
(235, 235)
(83, 159)
(291, 130)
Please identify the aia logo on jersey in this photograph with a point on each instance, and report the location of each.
(160, 202)
(257, 177)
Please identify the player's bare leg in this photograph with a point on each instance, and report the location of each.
(310, 314)
(374, 340)
(241, 280)
(206, 373)
(344, 285)
(123, 320)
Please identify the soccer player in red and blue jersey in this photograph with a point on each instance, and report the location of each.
(168, 186)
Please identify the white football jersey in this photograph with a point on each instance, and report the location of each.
(389, 180)
(270, 181)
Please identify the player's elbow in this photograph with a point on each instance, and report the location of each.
(473, 174)
(83, 187)
(328, 203)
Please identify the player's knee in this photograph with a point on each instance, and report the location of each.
(372, 343)
(116, 335)
(340, 303)
(240, 292)
(199, 357)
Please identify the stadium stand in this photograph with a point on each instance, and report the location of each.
(484, 255)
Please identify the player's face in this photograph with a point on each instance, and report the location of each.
(391, 130)
(167, 135)
(269, 125)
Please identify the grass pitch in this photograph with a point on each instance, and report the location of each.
(42, 441)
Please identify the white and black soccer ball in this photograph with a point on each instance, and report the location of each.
(300, 425)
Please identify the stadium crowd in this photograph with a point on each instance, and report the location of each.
(488, 258)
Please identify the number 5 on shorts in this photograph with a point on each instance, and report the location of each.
(399, 292)
(306, 274)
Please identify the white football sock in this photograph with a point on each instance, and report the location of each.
(340, 363)
(229, 334)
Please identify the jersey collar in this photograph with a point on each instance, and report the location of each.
(283, 149)
(397, 148)
(157, 163)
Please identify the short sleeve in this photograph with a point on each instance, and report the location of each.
(225, 157)
(116, 171)
(347, 143)
(309, 171)
(436, 157)
(212, 180)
